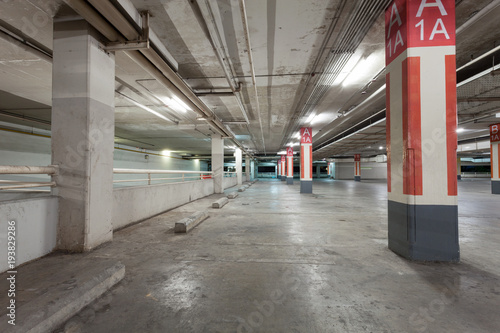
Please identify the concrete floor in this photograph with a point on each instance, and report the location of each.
(273, 260)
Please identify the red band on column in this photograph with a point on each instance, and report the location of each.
(451, 123)
(491, 159)
(498, 160)
(302, 161)
(388, 128)
(412, 127)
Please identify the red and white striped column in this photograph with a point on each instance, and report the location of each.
(289, 165)
(421, 129)
(495, 158)
(357, 167)
(283, 168)
(306, 181)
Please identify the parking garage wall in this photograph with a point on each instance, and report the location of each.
(369, 170)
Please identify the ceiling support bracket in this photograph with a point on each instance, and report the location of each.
(132, 45)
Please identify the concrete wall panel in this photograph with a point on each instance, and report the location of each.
(36, 228)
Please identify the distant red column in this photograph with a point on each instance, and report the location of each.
(357, 167)
(289, 165)
(495, 158)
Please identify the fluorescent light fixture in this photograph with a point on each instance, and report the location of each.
(380, 148)
(175, 103)
(361, 72)
(179, 102)
(310, 118)
(297, 136)
(319, 118)
(159, 115)
(166, 153)
(460, 130)
(349, 66)
(282, 152)
(498, 115)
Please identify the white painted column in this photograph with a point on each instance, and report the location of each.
(252, 170)
(83, 97)
(239, 168)
(306, 182)
(289, 165)
(247, 168)
(283, 168)
(495, 158)
(218, 163)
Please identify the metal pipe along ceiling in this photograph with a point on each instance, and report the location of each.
(148, 59)
(252, 68)
(365, 15)
(217, 44)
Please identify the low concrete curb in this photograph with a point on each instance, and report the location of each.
(232, 195)
(53, 308)
(220, 203)
(243, 188)
(188, 223)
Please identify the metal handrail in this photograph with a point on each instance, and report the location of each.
(53, 170)
(150, 172)
(27, 170)
(154, 171)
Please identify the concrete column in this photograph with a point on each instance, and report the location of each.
(289, 165)
(247, 167)
(239, 168)
(306, 182)
(421, 129)
(357, 167)
(279, 169)
(283, 168)
(255, 169)
(252, 170)
(83, 84)
(218, 163)
(495, 158)
(459, 168)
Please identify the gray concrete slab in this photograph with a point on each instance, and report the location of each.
(285, 262)
(50, 291)
(232, 195)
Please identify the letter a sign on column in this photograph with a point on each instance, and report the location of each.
(418, 23)
(306, 135)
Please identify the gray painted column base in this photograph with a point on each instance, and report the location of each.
(289, 180)
(495, 186)
(283, 178)
(459, 177)
(357, 178)
(306, 186)
(424, 232)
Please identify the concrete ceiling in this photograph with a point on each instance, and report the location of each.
(316, 62)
